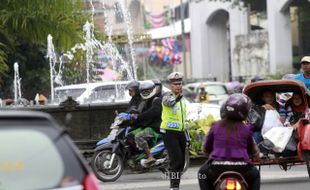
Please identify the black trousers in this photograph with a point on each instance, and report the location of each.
(208, 174)
(175, 143)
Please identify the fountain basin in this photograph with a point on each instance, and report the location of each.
(89, 123)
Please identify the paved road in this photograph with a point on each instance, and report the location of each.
(272, 179)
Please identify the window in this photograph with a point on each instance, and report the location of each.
(31, 159)
(108, 93)
(216, 90)
(34, 157)
(62, 94)
(119, 16)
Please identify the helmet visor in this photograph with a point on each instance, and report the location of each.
(146, 92)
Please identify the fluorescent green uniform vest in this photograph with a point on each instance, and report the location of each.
(173, 118)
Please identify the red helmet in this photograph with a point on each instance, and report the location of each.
(236, 107)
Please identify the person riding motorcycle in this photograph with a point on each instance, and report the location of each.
(147, 122)
(136, 99)
(230, 145)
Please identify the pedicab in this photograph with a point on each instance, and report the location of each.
(302, 157)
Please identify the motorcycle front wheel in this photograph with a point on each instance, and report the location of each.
(100, 164)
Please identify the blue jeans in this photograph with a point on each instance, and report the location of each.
(258, 138)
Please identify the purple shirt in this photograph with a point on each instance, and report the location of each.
(235, 146)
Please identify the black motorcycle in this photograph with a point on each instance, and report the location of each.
(112, 152)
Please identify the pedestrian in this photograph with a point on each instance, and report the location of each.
(230, 145)
(305, 76)
(173, 128)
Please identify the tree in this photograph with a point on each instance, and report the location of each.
(24, 26)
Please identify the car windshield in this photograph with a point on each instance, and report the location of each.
(62, 94)
(216, 89)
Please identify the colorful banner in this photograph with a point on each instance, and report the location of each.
(167, 51)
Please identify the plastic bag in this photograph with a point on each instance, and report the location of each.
(272, 119)
(278, 137)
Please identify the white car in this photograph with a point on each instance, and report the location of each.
(111, 91)
(217, 91)
(197, 111)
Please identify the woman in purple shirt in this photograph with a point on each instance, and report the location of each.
(230, 145)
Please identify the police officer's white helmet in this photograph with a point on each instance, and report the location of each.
(175, 77)
(147, 89)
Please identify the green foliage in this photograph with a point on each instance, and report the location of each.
(24, 27)
(3, 65)
(198, 129)
(33, 20)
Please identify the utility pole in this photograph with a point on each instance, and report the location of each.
(183, 40)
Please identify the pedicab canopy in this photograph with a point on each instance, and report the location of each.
(255, 90)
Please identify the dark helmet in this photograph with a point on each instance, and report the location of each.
(158, 85)
(256, 78)
(147, 89)
(236, 107)
(133, 85)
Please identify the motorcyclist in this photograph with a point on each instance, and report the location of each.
(147, 122)
(230, 145)
(136, 99)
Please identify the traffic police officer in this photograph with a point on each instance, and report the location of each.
(173, 126)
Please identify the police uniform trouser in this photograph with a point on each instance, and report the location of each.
(175, 142)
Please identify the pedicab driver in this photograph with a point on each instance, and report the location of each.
(173, 128)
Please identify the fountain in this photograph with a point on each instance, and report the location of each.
(52, 62)
(91, 46)
(17, 89)
(90, 121)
